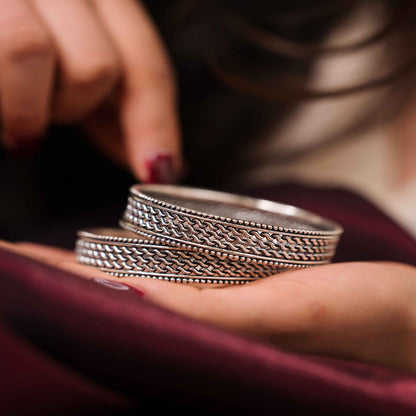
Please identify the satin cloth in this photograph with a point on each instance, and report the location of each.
(71, 347)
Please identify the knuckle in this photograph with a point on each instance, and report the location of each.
(94, 74)
(26, 43)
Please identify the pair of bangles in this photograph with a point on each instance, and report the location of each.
(197, 236)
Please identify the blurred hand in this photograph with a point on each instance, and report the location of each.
(358, 311)
(99, 63)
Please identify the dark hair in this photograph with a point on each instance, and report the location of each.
(242, 65)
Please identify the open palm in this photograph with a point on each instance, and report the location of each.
(360, 311)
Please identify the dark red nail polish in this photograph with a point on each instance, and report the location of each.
(137, 290)
(161, 169)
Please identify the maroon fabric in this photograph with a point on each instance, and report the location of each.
(33, 383)
(101, 346)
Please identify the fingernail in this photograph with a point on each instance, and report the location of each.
(118, 286)
(160, 169)
(137, 290)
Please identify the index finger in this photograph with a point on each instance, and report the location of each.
(148, 103)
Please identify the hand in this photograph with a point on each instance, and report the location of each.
(76, 60)
(358, 311)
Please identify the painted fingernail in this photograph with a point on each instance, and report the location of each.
(118, 286)
(160, 169)
(137, 290)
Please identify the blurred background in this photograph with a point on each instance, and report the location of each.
(244, 70)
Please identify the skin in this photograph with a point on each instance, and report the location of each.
(110, 74)
(113, 77)
(359, 311)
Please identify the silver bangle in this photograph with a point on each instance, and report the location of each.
(237, 227)
(196, 236)
(121, 253)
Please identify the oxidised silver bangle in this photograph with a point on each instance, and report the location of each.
(230, 226)
(196, 236)
(122, 254)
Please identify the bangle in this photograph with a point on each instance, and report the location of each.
(232, 226)
(197, 236)
(122, 254)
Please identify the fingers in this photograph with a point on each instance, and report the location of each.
(89, 66)
(26, 74)
(261, 309)
(66, 260)
(94, 45)
(355, 311)
(45, 252)
(148, 104)
(309, 308)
